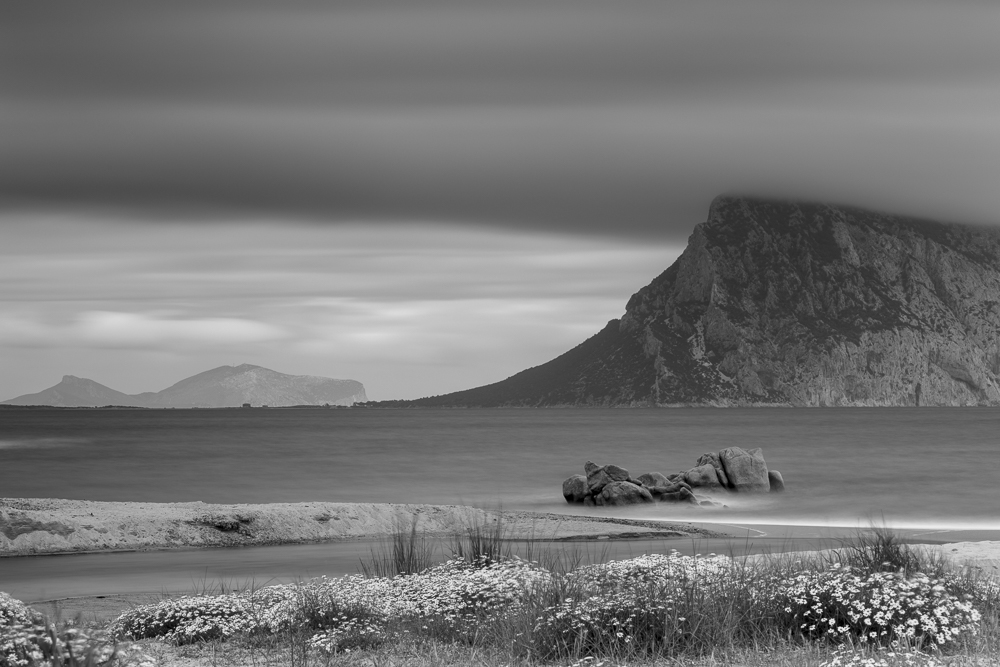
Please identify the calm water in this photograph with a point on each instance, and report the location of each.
(922, 467)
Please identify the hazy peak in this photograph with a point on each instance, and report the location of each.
(225, 386)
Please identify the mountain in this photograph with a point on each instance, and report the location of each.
(226, 386)
(791, 303)
(74, 391)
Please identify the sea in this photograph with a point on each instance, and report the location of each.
(933, 469)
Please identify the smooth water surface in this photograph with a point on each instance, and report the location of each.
(916, 467)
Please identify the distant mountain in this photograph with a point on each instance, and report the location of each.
(74, 391)
(226, 386)
(786, 303)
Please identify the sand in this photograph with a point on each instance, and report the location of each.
(30, 526)
(34, 526)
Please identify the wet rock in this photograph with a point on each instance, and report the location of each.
(704, 476)
(712, 459)
(623, 493)
(575, 489)
(651, 479)
(746, 470)
(598, 478)
(776, 482)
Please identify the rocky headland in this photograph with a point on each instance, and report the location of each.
(731, 470)
(791, 304)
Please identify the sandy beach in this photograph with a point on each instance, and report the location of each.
(36, 526)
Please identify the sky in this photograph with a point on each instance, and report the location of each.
(431, 196)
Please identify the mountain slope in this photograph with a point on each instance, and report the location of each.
(608, 368)
(226, 386)
(235, 385)
(73, 392)
(783, 303)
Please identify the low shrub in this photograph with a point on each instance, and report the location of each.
(27, 639)
(646, 608)
(883, 608)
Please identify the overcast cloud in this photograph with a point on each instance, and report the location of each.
(575, 143)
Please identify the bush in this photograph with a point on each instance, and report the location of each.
(650, 607)
(878, 608)
(27, 639)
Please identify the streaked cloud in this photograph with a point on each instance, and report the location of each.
(577, 117)
(408, 310)
(139, 329)
(431, 195)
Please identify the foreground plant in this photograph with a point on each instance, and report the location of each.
(641, 609)
(878, 608)
(28, 639)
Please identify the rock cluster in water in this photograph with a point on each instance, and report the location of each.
(731, 470)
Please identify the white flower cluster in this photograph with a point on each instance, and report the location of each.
(879, 608)
(850, 657)
(611, 601)
(27, 639)
(14, 612)
(642, 604)
(671, 569)
(347, 610)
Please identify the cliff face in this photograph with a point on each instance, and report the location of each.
(810, 305)
(776, 303)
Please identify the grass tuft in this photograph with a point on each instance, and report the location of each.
(405, 553)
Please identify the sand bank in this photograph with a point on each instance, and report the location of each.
(30, 526)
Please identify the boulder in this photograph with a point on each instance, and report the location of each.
(623, 493)
(704, 476)
(774, 479)
(668, 487)
(598, 478)
(712, 459)
(746, 470)
(672, 493)
(651, 479)
(575, 489)
(590, 467)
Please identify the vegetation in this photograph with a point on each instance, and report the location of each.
(878, 602)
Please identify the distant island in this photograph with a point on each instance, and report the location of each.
(225, 386)
(790, 304)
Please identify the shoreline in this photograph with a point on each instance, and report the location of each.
(45, 526)
(51, 526)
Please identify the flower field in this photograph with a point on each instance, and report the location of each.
(665, 608)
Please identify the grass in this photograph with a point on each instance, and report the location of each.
(486, 605)
(405, 552)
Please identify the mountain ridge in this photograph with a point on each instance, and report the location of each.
(790, 304)
(225, 386)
